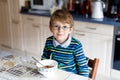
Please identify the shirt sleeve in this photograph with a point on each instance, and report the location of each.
(46, 52)
(81, 61)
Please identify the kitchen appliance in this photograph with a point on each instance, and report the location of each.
(113, 8)
(116, 49)
(97, 9)
(42, 4)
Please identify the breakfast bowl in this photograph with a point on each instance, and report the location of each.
(48, 67)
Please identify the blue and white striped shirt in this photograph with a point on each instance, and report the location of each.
(69, 58)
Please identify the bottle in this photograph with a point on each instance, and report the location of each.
(60, 3)
(77, 7)
(86, 8)
(71, 5)
(27, 4)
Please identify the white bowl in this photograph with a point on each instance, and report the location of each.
(49, 68)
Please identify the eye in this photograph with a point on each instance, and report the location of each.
(56, 26)
(65, 27)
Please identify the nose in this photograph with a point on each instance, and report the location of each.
(60, 29)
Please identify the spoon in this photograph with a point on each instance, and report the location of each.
(37, 61)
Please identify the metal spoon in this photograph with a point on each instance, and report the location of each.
(37, 61)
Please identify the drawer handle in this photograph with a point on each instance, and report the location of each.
(31, 19)
(80, 34)
(118, 39)
(91, 28)
(36, 26)
(77, 30)
(15, 22)
(6, 46)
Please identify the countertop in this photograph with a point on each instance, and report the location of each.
(106, 20)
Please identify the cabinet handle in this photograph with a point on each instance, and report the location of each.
(118, 39)
(6, 46)
(80, 34)
(77, 30)
(91, 28)
(35, 25)
(31, 19)
(15, 21)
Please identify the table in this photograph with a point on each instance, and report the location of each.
(24, 69)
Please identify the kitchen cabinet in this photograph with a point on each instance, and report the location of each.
(45, 30)
(31, 34)
(5, 31)
(0, 26)
(11, 32)
(35, 32)
(97, 42)
(15, 23)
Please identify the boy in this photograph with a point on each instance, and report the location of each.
(63, 48)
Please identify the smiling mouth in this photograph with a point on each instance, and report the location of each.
(60, 34)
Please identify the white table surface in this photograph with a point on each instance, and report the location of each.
(64, 75)
(58, 75)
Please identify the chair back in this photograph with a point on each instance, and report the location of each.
(93, 65)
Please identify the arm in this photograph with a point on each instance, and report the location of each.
(46, 52)
(81, 61)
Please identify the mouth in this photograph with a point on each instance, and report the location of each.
(60, 34)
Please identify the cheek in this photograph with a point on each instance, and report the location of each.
(53, 31)
(50, 29)
(70, 31)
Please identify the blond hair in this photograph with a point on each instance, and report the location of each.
(63, 16)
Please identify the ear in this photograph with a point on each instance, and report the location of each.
(50, 28)
(71, 29)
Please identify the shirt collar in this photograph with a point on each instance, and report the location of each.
(65, 44)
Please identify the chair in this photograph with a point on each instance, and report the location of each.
(93, 66)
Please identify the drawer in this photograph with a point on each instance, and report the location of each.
(88, 36)
(45, 21)
(31, 19)
(94, 28)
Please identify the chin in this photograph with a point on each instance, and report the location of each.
(62, 39)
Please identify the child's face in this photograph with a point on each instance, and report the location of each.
(61, 31)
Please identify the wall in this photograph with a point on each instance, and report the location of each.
(21, 2)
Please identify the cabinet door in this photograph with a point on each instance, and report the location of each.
(31, 34)
(45, 30)
(5, 24)
(16, 30)
(0, 25)
(97, 42)
(95, 46)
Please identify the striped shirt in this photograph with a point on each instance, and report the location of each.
(70, 59)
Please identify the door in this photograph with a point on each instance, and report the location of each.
(16, 29)
(31, 36)
(45, 31)
(5, 24)
(94, 46)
